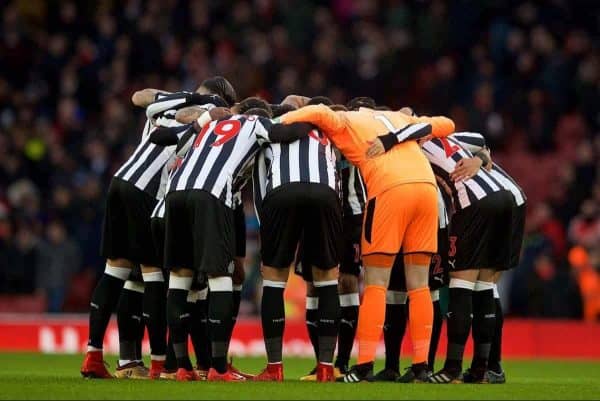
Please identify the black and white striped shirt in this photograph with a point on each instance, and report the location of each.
(475, 142)
(354, 193)
(444, 154)
(310, 159)
(146, 167)
(443, 218)
(221, 154)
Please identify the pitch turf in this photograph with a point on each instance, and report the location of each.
(35, 376)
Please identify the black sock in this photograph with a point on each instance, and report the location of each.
(435, 333)
(393, 334)
(349, 304)
(155, 315)
(494, 363)
(103, 303)
(328, 320)
(140, 338)
(312, 325)
(237, 300)
(199, 333)
(272, 313)
(171, 360)
(484, 324)
(129, 323)
(460, 308)
(220, 313)
(178, 318)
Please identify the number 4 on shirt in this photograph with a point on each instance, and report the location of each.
(449, 148)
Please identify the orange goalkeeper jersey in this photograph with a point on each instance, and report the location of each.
(352, 132)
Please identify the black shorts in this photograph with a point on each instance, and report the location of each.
(480, 235)
(240, 232)
(157, 224)
(351, 262)
(301, 213)
(517, 234)
(158, 233)
(126, 228)
(199, 233)
(438, 268)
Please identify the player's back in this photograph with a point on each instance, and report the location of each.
(221, 153)
(403, 164)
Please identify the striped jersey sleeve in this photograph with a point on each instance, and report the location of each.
(472, 141)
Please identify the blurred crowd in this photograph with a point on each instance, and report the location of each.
(525, 74)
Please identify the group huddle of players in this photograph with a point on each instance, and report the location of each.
(337, 189)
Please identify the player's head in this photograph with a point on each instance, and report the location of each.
(320, 100)
(258, 112)
(361, 101)
(218, 85)
(281, 109)
(338, 107)
(408, 111)
(253, 103)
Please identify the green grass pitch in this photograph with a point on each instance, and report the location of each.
(36, 376)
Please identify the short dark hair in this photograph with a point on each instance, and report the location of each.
(222, 87)
(383, 108)
(253, 103)
(338, 107)
(320, 100)
(258, 112)
(361, 101)
(281, 109)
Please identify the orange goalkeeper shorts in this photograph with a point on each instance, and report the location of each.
(404, 216)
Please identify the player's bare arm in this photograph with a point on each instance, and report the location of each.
(144, 97)
(189, 114)
(486, 157)
(466, 168)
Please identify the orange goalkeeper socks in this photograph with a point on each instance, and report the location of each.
(420, 321)
(371, 317)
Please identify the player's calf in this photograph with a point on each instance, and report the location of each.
(178, 315)
(273, 321)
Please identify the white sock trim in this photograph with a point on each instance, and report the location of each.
(274, 284)
(349, 299)
(203, 294)
(238, 287)
(459, 283)
(483, 286)
(122, 273)
(93, 349)
(220, 284)
(123, 362)
(193, 296)
(134, 286)
(395, 297)
(158, 357)
(156, 277)
(325, 283)
(435, 295)
(312, 303)
(496, 293)
(180, 283)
